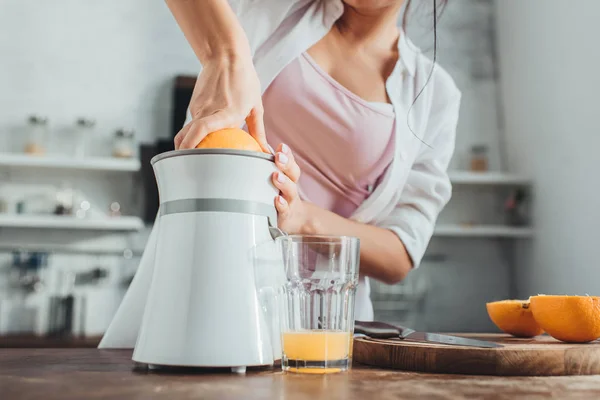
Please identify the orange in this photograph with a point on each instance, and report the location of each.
(574, 319)
(514, 317)
(229, 138)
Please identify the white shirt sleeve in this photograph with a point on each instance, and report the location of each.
(428, 188)
(260, 19)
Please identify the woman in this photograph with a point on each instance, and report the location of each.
(334, 84)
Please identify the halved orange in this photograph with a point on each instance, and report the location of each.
(514, 317)
(229, 138)
(574, 319)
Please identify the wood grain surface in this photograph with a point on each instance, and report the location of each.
(540, 356)
(109, 374)
(39, 342)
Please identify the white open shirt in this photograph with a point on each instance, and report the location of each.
(416, 186)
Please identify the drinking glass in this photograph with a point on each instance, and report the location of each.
(317, 302)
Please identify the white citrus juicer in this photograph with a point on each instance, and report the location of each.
(196, 284)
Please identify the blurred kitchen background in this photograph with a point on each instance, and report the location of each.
(90, 91)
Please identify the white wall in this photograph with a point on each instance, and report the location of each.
(111, 60)
(549, 57)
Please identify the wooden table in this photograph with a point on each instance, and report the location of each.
(109, 374)
(39, 342)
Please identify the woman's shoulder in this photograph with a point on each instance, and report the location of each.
(273, 20)
(436, 80)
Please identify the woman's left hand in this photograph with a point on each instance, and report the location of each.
(291, 210)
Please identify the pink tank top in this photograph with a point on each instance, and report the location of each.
(342, 143)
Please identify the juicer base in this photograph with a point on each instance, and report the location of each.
(139, 366)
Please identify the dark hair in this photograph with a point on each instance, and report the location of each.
(438, 9)
(438, 5)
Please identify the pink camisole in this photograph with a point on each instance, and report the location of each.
(342, 143)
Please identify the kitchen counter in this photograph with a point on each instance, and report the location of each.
(110, 374)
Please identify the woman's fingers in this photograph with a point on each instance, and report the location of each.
(181, 134)
(284, 159)
(256, 127)
(201, 127)
(288, 189)
(282, 206)
(197, 129)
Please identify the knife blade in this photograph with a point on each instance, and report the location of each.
(382, 330)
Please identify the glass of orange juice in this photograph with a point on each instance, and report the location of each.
(317, 302)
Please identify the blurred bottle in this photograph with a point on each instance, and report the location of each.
(516, 208)
(479, 158)
(37, 139)
(65, 198)
(83, 209)
(3, 200)
(115, 209)
(85, 129)
(123, 143)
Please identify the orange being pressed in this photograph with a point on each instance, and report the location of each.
(229, 138)
(514, 317)
(574, 319)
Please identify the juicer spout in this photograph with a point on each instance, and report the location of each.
(274, 230)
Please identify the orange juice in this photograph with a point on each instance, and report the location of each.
(317, 345)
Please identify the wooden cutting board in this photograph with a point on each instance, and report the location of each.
(540, 356)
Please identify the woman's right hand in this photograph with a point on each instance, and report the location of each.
(227, 93)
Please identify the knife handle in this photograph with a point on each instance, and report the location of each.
(376, 330)
(382, 330)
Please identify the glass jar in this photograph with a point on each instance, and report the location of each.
(84, 130)
(37, 139)
(114, 209)
(479, 158)
(123, 143)
(65, 199)
(516, 208)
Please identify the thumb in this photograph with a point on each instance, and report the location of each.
(256, 127)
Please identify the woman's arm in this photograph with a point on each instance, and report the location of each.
(382, 254)
(228, 90)
(428, 188)
(211, 28)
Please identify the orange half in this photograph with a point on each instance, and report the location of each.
(574, 319)
(514, 317)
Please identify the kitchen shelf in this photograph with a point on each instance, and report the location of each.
(124, 223)
(487, 178)
(65, 162)
(484, 231)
